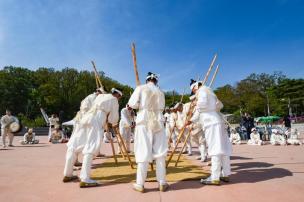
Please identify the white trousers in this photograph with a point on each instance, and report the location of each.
(70, 159)
(142, 169)
(86, 167)
(220, 166)
(4, 133)
(203, 150)
(126, 134)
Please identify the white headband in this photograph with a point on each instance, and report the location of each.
(114, 90)
(194, 85)
(152, 76)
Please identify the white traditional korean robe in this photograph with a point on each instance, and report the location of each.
(88, 141)
(277, 139)
(219, 147)
(255, 139)
(150, 140)
(29, 138)
(293, 138)
(235, 138)
(125, 123)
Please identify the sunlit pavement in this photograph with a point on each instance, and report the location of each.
(260, 173)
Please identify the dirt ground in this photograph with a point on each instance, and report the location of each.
(260, 173)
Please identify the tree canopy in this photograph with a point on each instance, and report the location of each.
(24, 91)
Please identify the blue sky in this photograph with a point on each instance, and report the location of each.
(174, 38)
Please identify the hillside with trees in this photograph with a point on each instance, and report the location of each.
(24, 91)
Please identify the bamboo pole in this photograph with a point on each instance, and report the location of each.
(189, 115)
(209, 70)
(135, 65)
(123, 146)
(97, 75)
(214, 75)
(184, 144)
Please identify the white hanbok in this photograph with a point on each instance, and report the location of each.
(172, 128)
(277, 139)
(150, 140)
(219, 146)
(235, 138)
(125, 124)
(255, 139)
(89, 136)
(293, 138)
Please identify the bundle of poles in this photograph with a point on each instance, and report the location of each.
(188, 118)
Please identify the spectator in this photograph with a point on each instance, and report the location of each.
(247, 122)
(57, 136)
(286, 122)
(29, 137)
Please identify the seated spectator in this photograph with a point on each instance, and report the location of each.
(293, 136)
(235, 137)
(29, 138)
(255, 138)
(57, 136)
(277, 138)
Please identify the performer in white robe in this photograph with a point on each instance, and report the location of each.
(54, 121)
(207, 111)
(180, 123)
(235, 137)
(88, 139)
(29, 138)
(125, 126)
(150, 140)
(172, 132)
(255, 138)
(6, 120)
(167, 122)
(277, 138)
(293, 137)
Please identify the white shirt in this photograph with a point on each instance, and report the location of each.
(208, 106)
(126, 118)
(150, 101)
(109, 105)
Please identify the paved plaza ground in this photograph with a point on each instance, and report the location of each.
(260, 173)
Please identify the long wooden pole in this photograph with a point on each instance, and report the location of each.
(184, 144)
(123, 146)
(97, 75)
(189, 115)
(214, 75)
(190, 112)
(135, 65)
(209, 70)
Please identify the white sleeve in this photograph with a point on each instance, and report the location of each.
(202, 101)
(125, 118)
(34, 135)
(114, 115)
(135, 99)
(162, 102)
(219, 105)
(2, 121)
(195, 116)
